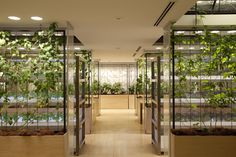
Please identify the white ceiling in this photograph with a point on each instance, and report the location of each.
(95, 22)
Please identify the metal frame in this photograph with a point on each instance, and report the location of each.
(80, 103)
(156, 103)
(63, 31)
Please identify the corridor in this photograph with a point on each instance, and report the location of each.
(117, 133)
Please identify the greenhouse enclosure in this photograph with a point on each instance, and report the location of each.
(118, 78)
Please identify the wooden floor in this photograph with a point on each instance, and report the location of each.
(117, 133)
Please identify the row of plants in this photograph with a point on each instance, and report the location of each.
(208, 75)
(14, 118)
(116, 88)
(31, 73)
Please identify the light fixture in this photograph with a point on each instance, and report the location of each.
(21, 48)
(152, 58)
(14, 18)
(26, 34)
(191, 48)
(58, 34)
(158, 48)
(77, 48)
(215, 32)
(180, 48)
(199, 2)
(36, 18)
(180, 32)
(198, 32)
(231, 32)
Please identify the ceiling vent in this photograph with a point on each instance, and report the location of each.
(163, 14)
(139, 48)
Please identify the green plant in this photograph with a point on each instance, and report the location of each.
(95, 87)
(106, 88)
(117, 88)
(132, 89)
(140, 84)
(26, 76)
(217, 57)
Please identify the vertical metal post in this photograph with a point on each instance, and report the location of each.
(173, 81)
(77, 105)
(146, 77)
(64, 80)
(159, 104)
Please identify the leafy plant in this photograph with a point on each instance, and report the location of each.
(217, 57)
(132, 89)
(26, 76)
(106, 88)
(117, 88)
(95, 87)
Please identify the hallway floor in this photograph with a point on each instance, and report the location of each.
(117, 133)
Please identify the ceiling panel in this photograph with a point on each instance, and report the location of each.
(113, 29)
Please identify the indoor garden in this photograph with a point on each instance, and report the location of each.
(32, 82)
(204, 81)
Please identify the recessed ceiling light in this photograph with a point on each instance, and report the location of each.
(77, 48)
(14, 18)
(191, 48)
(36, 18)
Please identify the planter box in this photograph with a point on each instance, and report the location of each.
(88, 120)
(34, 146)
(148, 120)
(203, 146)
(96, 106)
(114, 101)
(138, 100)
(140, 110)
(131, 101)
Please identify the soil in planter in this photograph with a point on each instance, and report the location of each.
(204, 132)
(26, 132)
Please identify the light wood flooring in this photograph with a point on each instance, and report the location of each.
(117, 133)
